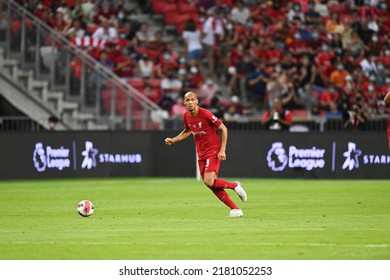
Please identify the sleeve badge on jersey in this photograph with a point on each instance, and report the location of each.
(214, 118)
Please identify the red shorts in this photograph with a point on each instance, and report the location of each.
(210, 164)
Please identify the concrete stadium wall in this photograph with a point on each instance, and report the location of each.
(143, 154)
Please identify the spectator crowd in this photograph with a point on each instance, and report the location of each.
(318, 57)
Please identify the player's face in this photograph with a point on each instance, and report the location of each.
(190, 101)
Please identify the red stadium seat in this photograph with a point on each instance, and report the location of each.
(162, 7)
(299, 113)
(154, 83)
(136, 83)
(186, 8)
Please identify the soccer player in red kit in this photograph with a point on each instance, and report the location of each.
(211, 149)
(387, 101)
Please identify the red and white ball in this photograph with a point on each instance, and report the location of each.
(85, 208)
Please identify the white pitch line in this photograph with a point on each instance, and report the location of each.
(192, 243)
(185, 229)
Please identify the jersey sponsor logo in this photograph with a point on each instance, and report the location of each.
(198, 133)
(278, 157)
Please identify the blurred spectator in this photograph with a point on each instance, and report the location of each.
(89, 10)
(192, 38)
(277, 118)
(239, 108)
(178, 109)
(52, 123)
(145, 67)
(105, 31)
(167, 60)
(240, 13)
(368, 64)
(76, 30)
(334, 24)
(355, 48)
(195, 77)
(257, 81)
(213, 32)
(216, 106)
(128, 31)
(231, 113)
(312, 17)
(328, 98)
(144, 36)
(59, 24)
(295, 12)
(125, 63)
(105, 10)
(207, 90)
(337, 76)
(354, 119)
(105, 61)
(321, 8)
(171, 86)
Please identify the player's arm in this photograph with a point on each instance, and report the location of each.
(181, 136)
(387, 98)
(224, 136)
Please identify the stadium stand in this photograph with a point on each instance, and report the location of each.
(320, 57)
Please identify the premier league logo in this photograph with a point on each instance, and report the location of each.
(277, 157)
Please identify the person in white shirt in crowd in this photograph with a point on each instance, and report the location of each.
(192, 38)
(171, 86)
(321, 8)
(105, 31)
(145, 67)
(240, 13)
(144, 36)
(213, 32)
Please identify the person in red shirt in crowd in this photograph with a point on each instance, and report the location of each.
(327, 97)
(167, 61)
(370, 89)
(195, 77)
(324, 60)
(277, 118)
(105, 10)
(58, 23)
(211, 150)
(385, 57)
(273, 55)
(125, 63)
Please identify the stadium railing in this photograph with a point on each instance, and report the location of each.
(94, 87)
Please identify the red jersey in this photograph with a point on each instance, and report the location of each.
(204, 129)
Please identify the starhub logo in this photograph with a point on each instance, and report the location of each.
(354, 158)
(92, 156)
(280, 157)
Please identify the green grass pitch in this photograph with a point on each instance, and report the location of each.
(180, 219)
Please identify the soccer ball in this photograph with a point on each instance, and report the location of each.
(85, 208)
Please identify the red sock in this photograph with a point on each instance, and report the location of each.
(224, 197)
(222, 184)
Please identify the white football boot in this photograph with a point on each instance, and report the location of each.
(236, 213)
(240, 191)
